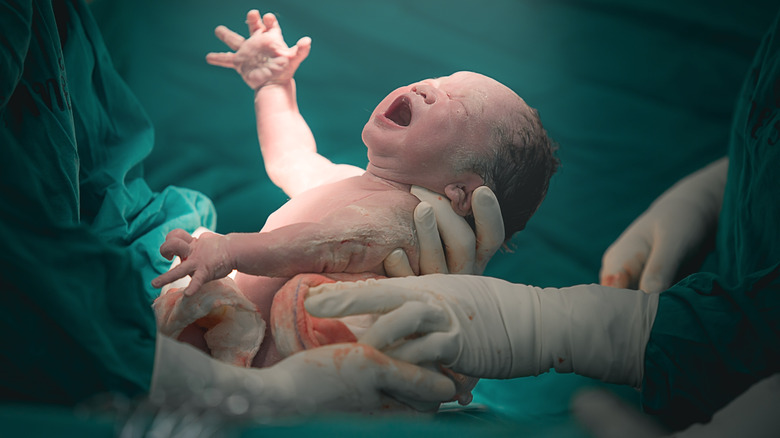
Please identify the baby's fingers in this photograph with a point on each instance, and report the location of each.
(227, 36)
(224, 59)
(254, 21)
(175, 247)
(270, 21)
(198, 280)
(176, 244)
(301, 50)
(179, 233)
(180, 271)
(297, 53)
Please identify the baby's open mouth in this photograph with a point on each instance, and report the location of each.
(400, 111)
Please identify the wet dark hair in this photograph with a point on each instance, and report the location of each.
(519, 168)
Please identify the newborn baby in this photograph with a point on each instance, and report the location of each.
(449, 135)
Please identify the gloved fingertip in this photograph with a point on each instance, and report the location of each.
(423, 211)
(444, 388)
(430, 387)
(395, 256)
(484, 197)
(316, 290)
(618, 280)
(312, 304)
(395, 263)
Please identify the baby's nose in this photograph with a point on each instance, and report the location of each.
(426, 92)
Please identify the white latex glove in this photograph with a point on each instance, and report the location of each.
(753, 414)
(463, 252)
(339, 377)
(650, 251)
(490, 328)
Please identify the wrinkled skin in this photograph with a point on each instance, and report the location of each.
(348, 226)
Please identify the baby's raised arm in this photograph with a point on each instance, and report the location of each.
(268, 65)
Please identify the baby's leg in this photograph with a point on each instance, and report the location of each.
(218, 319)
(295, 330)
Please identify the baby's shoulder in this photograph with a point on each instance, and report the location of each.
(389, 198)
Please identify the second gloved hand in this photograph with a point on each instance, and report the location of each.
(651, 250)
(338, 377)
(489, 328)
(464, 251)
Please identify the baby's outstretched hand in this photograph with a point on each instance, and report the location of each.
(264, 57)
(204, 258)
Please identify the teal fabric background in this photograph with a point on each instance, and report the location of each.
(637, 93)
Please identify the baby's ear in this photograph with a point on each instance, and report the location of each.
(460, 197)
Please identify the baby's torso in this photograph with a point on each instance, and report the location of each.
(386, 210)
(316, 204)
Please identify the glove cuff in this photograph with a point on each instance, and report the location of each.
(591, 330)
(596, 331)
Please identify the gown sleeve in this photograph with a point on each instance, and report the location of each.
(717, 333)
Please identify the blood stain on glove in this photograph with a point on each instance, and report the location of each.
(296, 330)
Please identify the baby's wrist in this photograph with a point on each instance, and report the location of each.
(271, 85)
(230, 249)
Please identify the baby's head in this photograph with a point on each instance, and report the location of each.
(456, 133)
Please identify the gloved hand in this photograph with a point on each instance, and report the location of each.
(465, 252)
(650, 251)
(490, 328)
(752, 414)
(339, 377)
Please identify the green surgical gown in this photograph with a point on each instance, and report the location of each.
(79, 226)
